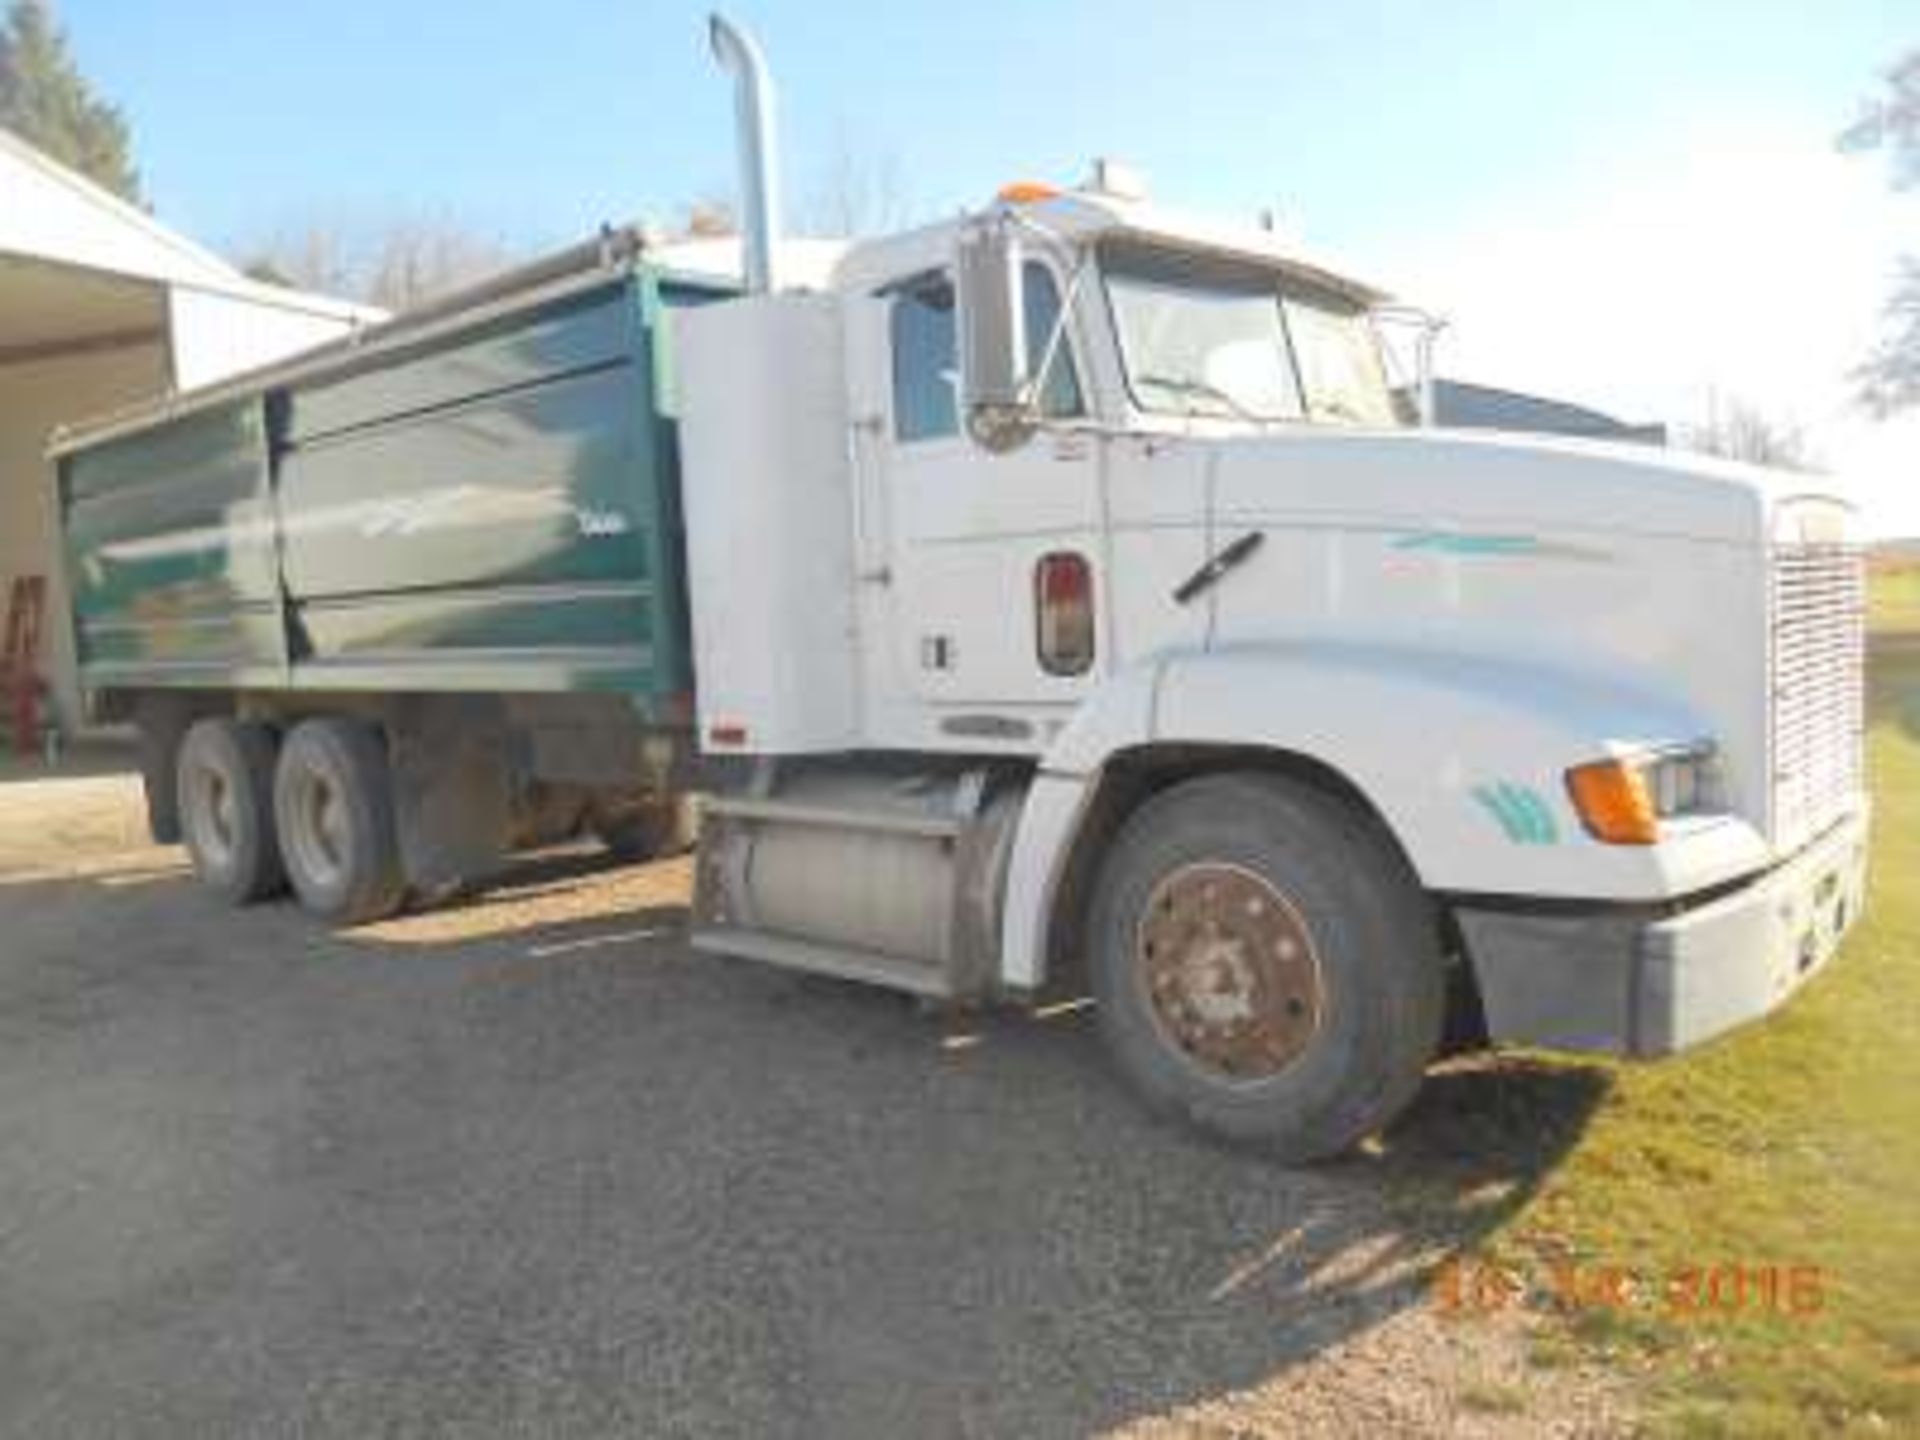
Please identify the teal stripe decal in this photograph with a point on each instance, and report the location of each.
(1522, 815)
(1453, 543)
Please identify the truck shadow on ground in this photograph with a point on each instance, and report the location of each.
(572, 1176)
(530, 1164)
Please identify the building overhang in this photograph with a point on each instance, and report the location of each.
(50, 311)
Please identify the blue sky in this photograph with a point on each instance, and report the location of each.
(537, 121)
(1491, 155)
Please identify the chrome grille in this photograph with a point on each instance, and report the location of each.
(1819, 641)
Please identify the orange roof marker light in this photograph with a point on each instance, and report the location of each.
(1028, 192)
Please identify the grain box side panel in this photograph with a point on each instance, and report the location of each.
(170, 554)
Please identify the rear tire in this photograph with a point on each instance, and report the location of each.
(333, 796)
(1267, 967)
(223, 784)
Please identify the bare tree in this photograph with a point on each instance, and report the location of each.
(1890, 378)
(1738, 430)
(1892, 120)
(396, 263)
(313, 257)
(858, 192)
(414, 262)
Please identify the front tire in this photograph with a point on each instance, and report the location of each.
(223, 784)
(1266, 965)
(333, 795)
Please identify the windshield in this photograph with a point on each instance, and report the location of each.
(1203, 336)
(1338, 353)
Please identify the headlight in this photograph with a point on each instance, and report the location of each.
(1622, 801)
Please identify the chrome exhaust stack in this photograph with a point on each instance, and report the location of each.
(759, 172)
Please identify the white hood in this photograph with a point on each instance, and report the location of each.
(1504, 483)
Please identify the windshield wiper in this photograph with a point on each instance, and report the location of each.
(1182, 385)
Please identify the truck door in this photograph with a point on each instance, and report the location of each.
(984, 555)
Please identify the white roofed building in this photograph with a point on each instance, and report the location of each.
(100, 307)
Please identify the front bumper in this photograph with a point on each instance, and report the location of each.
(1642, 981)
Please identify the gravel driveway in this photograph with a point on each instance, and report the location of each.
(530, 1166)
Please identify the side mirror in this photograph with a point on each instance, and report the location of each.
(995, 402)
(1424, 326)
(1429, 337)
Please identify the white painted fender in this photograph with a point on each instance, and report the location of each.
(1463, 756)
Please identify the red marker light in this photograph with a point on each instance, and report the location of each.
(1063, 610)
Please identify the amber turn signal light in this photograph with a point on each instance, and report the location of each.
(1028, 192)
(1613, 802)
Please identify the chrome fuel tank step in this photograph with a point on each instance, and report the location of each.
(890, 875)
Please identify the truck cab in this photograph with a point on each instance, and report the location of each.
(1116, 513)
(1148, 342)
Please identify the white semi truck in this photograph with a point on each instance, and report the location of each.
(1064, 587)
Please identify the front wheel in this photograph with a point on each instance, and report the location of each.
(1266, 966)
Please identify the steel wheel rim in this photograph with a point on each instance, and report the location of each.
(1230, 975)
(317, 827)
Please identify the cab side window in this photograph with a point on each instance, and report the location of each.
(1060, 397)
(925, 355)
(921, 329)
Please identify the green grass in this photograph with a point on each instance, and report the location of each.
(1793, 1143)
(1894, 601)
(1492, 1398)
